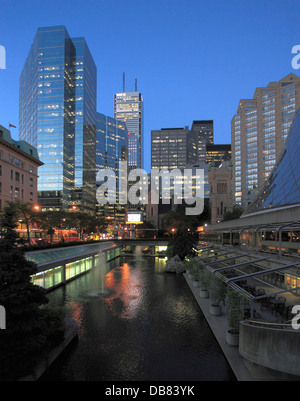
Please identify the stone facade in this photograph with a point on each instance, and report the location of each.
(220, 183)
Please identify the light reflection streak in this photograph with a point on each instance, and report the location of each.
(127, 286)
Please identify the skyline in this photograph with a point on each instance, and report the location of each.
(194, 60)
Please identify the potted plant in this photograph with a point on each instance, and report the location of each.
(204, 281)
(196, 277)
(190, 267)
(234, 315)
(217, 293)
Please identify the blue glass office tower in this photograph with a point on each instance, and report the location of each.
(111, 148)
(84, 193)
(57, 107)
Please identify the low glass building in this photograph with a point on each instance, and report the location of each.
(57, 266)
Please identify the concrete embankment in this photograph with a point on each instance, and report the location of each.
(70, 335)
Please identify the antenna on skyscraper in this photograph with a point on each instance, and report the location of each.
(124, 82)
(135, 83)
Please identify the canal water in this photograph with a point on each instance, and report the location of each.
(136, 323)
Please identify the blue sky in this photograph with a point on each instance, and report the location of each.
(194, 59)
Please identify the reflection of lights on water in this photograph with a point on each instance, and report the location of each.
(76, 312)
(127, 286)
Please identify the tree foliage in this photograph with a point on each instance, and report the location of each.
(29, 329)
(182, 244)
(234, 214)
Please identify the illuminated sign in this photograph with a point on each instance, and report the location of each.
(134, 218)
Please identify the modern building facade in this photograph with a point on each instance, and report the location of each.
(83, 195)
(172, 148)
(19, 163)
(282, 188)
(217, 154)
(111, 149)
(57, 104)
(180, 147)
(258, 134)
(271, 223)
(129, 108)
(204, 135)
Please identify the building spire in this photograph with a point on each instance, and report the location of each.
(123, 82)
(135, 83)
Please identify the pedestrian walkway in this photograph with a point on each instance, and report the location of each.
(243, 370)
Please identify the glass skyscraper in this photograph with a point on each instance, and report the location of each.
(111, 148)
(57, 106)
(85, 128)
(129, 108)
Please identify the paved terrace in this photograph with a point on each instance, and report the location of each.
(222, 261)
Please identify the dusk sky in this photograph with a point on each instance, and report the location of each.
(194, 59)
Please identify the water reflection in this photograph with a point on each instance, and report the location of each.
(147, 327)
(127, 288)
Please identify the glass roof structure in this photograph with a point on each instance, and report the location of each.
(282, 187)
(232, 267)
(65, 253)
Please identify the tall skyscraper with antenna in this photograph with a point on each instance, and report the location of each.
(129, 108)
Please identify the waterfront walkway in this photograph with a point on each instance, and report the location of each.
(243, 370)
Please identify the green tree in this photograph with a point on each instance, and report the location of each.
(50, 220)
(180, 221)
(182, 244)
(23, 211)
(236, 212)
(29, 326)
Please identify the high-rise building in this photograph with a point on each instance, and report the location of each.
(217, 153)
(85, 128)
(111, 149)
(172, 148)
(204, 135)
(129, 108)
(258, 133)
(282, 189)
(57, 106)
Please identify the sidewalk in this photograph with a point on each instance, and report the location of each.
(243, 370)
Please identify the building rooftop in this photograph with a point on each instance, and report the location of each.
(20, 145)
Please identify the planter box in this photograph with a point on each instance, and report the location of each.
(196, 284)
(204, 293)
(232, 338)
(215, 310)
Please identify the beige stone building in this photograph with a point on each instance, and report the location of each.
(220, 183)
(258, 133)
(19, 164)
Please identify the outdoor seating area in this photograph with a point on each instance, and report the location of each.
(267, 299)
